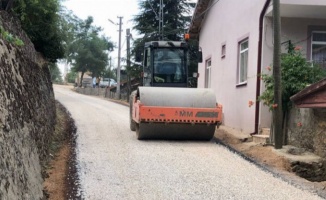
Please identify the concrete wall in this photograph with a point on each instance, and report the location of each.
(307, 129)
(102, 92)
(27, 116)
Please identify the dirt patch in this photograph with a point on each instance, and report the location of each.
(265, 155)
(60, 171)
(257, 152)
(56, 182)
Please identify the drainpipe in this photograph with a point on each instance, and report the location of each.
(260, 46)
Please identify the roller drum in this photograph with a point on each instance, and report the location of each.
(176, 97)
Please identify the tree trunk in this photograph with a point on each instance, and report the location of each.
(81, 79)
(277, 112)
(285, 127)
(9, 5)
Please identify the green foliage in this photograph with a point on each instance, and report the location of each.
(71, 77)
(41, 22)
(147, 23)
(176, 19)
(55, 73)
(10, 38)
(87, 51)
(109, 73)
(297, 73)
(67, 25)
(134, 70)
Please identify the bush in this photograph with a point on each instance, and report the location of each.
(296, 72)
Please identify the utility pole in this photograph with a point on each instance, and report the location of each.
(110, 73)
(161, 21)
(278, 111)
(119, 60)
(128, 61)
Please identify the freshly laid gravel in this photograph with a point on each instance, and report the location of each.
(113, 164)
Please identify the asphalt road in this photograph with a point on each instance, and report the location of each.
(113, 164)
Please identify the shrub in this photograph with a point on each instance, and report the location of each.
(296, 72)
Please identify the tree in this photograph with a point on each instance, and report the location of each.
(71, 77)
(88, 51)
(40, 20)
(109, 73)
(55, 73)
(176, 19)
(6, 4)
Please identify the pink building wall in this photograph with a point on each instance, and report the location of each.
(230, 21)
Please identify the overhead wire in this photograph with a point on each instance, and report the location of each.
(153, 9)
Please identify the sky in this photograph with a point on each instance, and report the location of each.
(102, 11)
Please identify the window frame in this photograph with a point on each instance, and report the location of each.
(240, 52)
(315, 42)
(208, 72)
(223, 50)
(312, 28)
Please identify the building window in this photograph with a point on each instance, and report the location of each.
(243, 61)
(223, 51)
(318, 48)
(208, 73)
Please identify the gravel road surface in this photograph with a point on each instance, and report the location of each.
(113, 164)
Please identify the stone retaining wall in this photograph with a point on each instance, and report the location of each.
(27, 116)
(307, 129)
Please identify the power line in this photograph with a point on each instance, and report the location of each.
(156, 15)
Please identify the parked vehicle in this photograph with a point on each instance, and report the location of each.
(104, 84)
(113, 83)
(107, 82)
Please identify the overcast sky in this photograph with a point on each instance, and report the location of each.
(101, 11)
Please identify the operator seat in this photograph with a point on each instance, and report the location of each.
(168, 69)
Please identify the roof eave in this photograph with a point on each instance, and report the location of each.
(197, 18)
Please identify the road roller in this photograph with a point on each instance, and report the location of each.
(164, 107)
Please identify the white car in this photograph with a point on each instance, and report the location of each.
(104, 84)
(107, 82)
